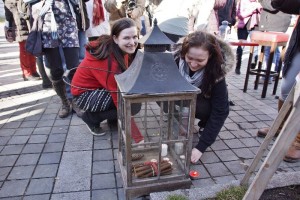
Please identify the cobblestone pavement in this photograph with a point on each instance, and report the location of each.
(44, 157)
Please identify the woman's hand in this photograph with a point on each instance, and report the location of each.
(196, 155)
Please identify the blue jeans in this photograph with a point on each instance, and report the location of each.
(276, 57)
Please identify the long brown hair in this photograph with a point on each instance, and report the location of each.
(213, 69)
(105, 46)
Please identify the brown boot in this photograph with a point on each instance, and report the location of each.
(60, 89)
(293, 154)
(264, 131)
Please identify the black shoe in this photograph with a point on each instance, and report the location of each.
(94, 129)
(237, 71)
(252, 65)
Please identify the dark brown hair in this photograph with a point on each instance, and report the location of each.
(105, 45)
(213, 69)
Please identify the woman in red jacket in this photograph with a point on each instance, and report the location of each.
(94, 85)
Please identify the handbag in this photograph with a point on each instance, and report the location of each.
(34, 43)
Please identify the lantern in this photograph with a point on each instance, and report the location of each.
(154, 100)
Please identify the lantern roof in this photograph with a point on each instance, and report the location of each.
(153, 70)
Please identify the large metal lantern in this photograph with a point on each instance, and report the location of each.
(156, 101)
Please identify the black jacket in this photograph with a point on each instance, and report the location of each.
(272, 19)
(290, 7)
(228, 13)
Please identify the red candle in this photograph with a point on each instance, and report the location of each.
(194, 174)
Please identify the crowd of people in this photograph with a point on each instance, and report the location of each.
(103, 34)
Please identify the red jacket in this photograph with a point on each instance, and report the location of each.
(92, 74)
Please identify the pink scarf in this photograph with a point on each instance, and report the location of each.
(98, 12)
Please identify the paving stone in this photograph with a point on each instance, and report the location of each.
(102, 155)
(110, 194)
(45, 171)
(263, 117)
(234, 143)
(42, 130)
(48, 116)
(238, 119)
(242, 112)
(40, 186)
(246, 125)
(217, 169)
(244, 153)
(33, 148)
(235, 167)
(209, 157)
(250, 142)
(232, 126)
(226, 155)
(102, 167)
(226, 135)
(62, 122)
(53, 147)
(33, 117)
(219, 145)
(59, 129)
(7, 161)
(200, 183)
(18, 140)
(201, 169)
(103, 181)
(241, 134)
(37, 197)
(12, 149)
(50, 158)
(4, 171)
(28, 159)
(73, 196)
(78, 139)
(121, 194)
(21, 172)
(13, 188)
(74, 175)
(102, 144)
(37, 139)
(24, 131)
(224, 179)
(15, 124)
(28, 124)
(119, 180)
(45, 123)
(6, 132)
(251, 118)
(57, 138)
(12, 198)
(4, 140)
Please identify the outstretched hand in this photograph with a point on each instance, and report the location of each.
(196, 155)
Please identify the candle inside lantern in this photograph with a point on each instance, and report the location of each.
(179, 148)
(194, 174)
(164, 150)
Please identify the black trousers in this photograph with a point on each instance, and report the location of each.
(55, 61)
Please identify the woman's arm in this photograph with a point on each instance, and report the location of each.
(218, 115)
(247, 8)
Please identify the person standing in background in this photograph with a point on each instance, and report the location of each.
(27, 61)
(118, 9)
(98, 16)
(228, 13)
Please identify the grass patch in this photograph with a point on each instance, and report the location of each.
(177, 197)
(232, 193)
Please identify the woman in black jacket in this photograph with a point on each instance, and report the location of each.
(204, 61)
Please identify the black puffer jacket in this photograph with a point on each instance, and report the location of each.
(20, 19)
(290, 7)
(272, 19)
